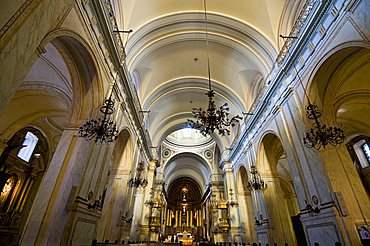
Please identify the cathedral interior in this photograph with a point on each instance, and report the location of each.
(184, 122)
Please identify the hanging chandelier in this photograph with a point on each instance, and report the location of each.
(256, 183)
(319, 134)
(213, 118)
(138, 181)
(102, 129)
(232, 202)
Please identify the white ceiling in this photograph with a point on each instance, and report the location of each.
(167, 58)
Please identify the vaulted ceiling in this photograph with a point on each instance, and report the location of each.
(167, 58)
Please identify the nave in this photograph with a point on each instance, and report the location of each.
(195, 122)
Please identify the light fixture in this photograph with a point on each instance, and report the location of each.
(138, 180)
(207, 121)
(232, 202)
(103, 129)
(319, 134)
(256, 183)
(155, 202)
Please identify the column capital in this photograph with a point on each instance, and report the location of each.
(154, 163)
(226, 166)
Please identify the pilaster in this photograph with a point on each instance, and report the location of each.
(145, 217)
(138, 211)
(45, 224)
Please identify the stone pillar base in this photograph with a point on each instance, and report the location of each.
(322, 227)
(144, 233)
(236, 235)
(82, 224)
(221, 237)
(263, 233)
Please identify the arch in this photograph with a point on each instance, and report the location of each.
(26, 175)
(340, 86)
(245, 204)
(177, 122)
(123, 152)
(189, 165)
(182, 125)
(270, 149)
(86, 78)
(62, 87)
(274, 169)
(194, 191)
(241, 36)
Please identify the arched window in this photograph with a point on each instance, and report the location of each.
(366, 150)
(359, 150)
(29, 144)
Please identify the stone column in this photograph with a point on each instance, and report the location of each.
(48, 215)
(137, 214)
(216, 214)
(309, 176)
(113, 206)
(146, 213)
(233, 210)
(262, 230)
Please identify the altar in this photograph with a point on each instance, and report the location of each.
(185, 237)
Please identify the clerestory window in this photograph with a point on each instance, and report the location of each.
(29, 143)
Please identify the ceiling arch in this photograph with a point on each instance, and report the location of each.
(176, 189)
(167, 55)
(188, 165)
(340, 87)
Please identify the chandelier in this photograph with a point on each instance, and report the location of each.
(212, 118)
(320, 135)
(155, 202)
(232, 202)
(102, 129)
(138, 180)
(256, 183)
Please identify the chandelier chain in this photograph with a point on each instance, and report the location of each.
(102, 129)
(319, 135)
(212, 118)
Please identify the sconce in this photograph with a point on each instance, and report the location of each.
(311, 209)
(98, 203)
(258, 222)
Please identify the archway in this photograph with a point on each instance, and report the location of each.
(60, 90)
(340, 86)
(184, 204)
(22, 166)
(118, 197)
(273, 167)
(246, 205)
